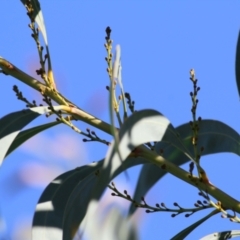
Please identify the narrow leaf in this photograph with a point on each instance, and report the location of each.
(27, 134)
(214, 137)
(141, 127)
(63, 203)
(11, 125)
(38, 16)
(237, 64)
(189, 229)
(48, 218)
(76, 207)
(111, 225)
(222, 235)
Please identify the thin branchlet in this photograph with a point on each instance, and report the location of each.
(159, 207)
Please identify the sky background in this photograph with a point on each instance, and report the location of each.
(160, 42)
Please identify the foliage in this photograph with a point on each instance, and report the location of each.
(144, 137)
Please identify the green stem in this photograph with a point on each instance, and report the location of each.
(227, 201)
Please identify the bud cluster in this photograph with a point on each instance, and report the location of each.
(160, 207)
(22, 98)
(93, 137)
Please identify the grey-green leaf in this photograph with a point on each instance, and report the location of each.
(111, 225)
(131, 135)
(76, 207)
(11, 125)
(27, 134)
(141, 127)
(237, 64)
(38, 16)
(189, 229)
(63, 203)
(214, 136)
(222, 235)
(48, 218)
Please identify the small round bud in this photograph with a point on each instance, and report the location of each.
(127, 95)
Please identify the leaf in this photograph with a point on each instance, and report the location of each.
(222, 235)
(141, 127)
(76, 207)
(189, 229)
(117, 63)
(214, 136)
(38, 16)
(27, 134)
(48, 217)
(117, 74)
(11, 125)
(91, 187)
(63, 203)
(111, 225)
(237, 64)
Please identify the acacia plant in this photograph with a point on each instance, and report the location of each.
(143, 137)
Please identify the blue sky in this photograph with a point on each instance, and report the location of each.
(160, 42)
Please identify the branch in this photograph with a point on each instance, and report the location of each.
(67, 106)
(227, 202)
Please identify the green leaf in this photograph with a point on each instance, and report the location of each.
(27, 134)
(131, 135)
(117, 74)
(11, 125)
(222, 235)
(141, 127)
(63, 204)
(76, 207)
(189, 229)
(38, 16)
(237, 64)
(48, 218)
(111, 225)
(214, 136)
